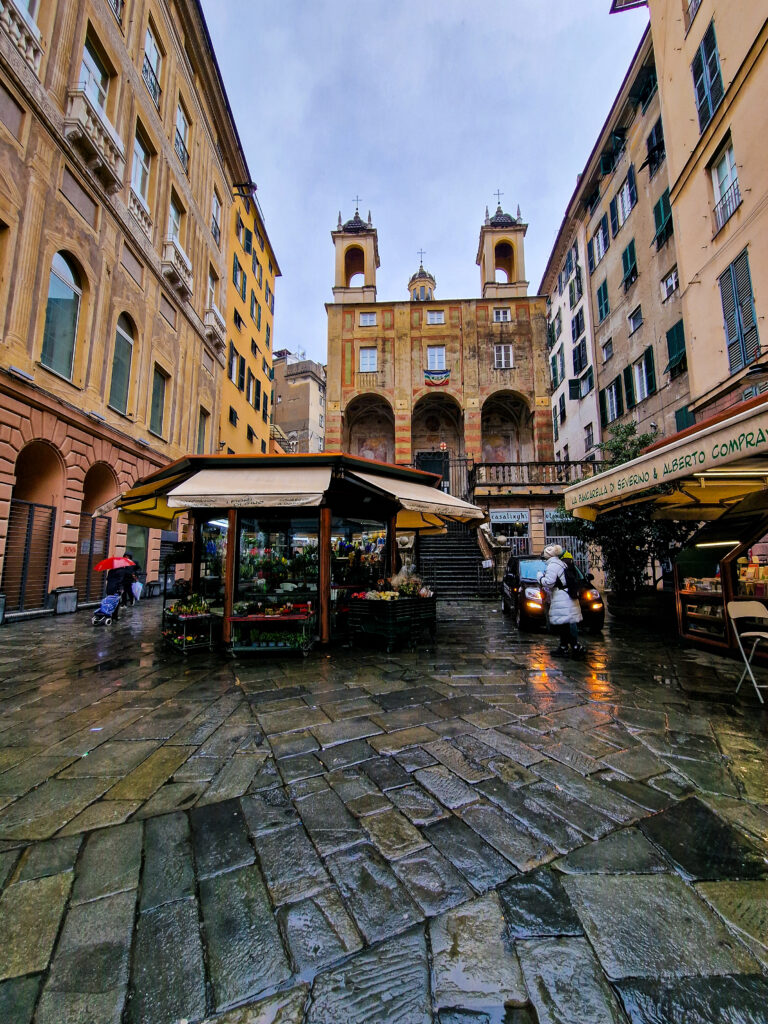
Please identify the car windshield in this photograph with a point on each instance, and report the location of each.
(529, 568)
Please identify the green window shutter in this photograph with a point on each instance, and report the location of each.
(629, 387)
(591, 256)
(248, 243)
(625, 266)
(632, 256)
(555, 427)
(614, 207)
(731, 321)
(746, 307)
(157, 408)
(574, 390)
(553, 365)
(632, 185)
(684, 418)
(658, 217)
(712, 67)
(590, 379)
(676, 341)
(603, 408)
(650, 370)
(604, 226)
(619, 396)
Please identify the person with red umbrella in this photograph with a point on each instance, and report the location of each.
(120, 575)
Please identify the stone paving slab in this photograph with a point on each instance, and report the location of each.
(738, 1000)
(377, 900)
(744, 908)
(30, 913)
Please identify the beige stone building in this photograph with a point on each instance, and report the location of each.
(299, 401)
(454, 386)
(712, 61)
(619, 354)
(118, 155)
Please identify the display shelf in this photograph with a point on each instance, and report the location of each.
(188, 632)
(261, 632)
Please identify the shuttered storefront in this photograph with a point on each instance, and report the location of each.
(27, 563)
(92, 546)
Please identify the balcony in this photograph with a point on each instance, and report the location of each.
(88, 129)
(139, 210)
(21, 28)
(216, 231)
(502, 478)
(727, 206)
(215, 327)
(177, 268)
(181, 151)
(366, 379)
(151, 82)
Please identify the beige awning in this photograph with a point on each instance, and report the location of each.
(242, 487)
(418, 498)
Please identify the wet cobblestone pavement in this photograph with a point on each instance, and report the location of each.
(475, 833)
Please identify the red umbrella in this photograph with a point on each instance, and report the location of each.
(116, 562)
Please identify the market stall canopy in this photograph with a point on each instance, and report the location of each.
(421, 504)
(260, 487)
(144, 504)
(708, 468)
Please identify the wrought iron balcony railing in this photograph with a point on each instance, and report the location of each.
(117, 9)
(529, 474)
(181, 151)
(150, 80)
(728, 205)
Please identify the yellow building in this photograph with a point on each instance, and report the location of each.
(246, 399)
(712, 60)
(118, 155)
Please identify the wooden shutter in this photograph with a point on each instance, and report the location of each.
(553, 363)
(619, 396)
(712, 67)
(629, 387)
(604, 226)
(603, 409)
(676, 340)
(730, 318)
(746, 307)
(700, 90)
(614, 217)
(248, 243)
(573, 390)
(632, 185)
(591, 256)
(650, 370)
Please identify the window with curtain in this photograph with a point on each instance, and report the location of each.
(121, 365)
(62, 312)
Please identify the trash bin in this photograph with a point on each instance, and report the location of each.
(63, 600)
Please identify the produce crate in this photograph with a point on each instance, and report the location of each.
(404, 619)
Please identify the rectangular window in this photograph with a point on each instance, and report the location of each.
(267, 335)
(435, 357)
(250, 433)
(577, 325)
(629, 266)
(603, 306)
(607, 348)
(555, 424)
(268, 297)
(558, 323)
(553, 369)
(248, 241)
(265, 409)
(739, 313)
(598, 244)
(216, 218)
(656, 149)
(237, 320)
(174, 221)
(502, 357)
(213, 287)
(502, 315)
(202, 431)
(684, 418)
(121, 368)
(574, 390)
(561, 408)
(623, 202)
(366, 319)
(250, 388)
(676, 350)
(232, 363)
(181, 138)
(707, 80)
(641, 384)
(435, 316)
(580, 357)
(589, 437)
(239, 277)
(142, 159)
(263, 447)
(254, 304)
(662, 216)
(725, 184)
(368, 360)
(635, 319)
(561, 363)
(241, 373)
(233, 416)
(94, 77)
(157, 410)
(575, 289)
(612, 401)
(150, 69)
(257, 270)
(669, 284)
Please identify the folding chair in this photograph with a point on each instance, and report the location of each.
(748, 610)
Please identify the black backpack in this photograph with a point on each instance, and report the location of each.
(572, 582)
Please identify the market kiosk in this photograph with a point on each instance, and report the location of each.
(714, 474)
(283, 546)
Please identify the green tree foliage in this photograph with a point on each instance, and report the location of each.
(631, 543)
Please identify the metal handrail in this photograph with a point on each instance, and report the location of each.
(150, 80)
(117, 9)
(728, 205)
(181, 150)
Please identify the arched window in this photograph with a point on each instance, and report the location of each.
(61, 316)
(121, 364)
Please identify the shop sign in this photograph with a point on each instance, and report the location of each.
(509, 515)
(554, 515)
(719, 446)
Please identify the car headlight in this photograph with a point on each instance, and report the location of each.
(533, 594)
(591, 595)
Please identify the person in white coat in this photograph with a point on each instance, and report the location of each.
(564, 611)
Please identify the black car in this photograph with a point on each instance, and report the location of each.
(522, 596)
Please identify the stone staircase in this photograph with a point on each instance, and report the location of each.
(452, 565)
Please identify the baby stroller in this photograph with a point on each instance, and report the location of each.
(106, 611)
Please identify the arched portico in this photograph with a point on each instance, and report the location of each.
(368, 428)
(93, 537)
(507, 428)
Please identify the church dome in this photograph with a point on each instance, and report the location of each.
(501, 219)
(422, 285)
(357, 225)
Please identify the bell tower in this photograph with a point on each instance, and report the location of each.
(357, 259)
(501, 255)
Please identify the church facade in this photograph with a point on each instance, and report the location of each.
(421, 379)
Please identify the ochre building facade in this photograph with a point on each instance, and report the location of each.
(117, 158)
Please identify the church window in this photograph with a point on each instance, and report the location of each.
(502, 357)
(368, 360)
(435, 316)
(422, 293)
(436, 357)
(367, 319)
(502, 315)
(415, 294)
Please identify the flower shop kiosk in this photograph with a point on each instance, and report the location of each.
(290, 549)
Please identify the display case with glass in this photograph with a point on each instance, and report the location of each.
(213, 559)
(701, 578)
(358, 562)
(276, 582)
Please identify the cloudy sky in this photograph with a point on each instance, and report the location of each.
(423, 110)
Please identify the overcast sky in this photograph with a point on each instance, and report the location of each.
(423, 110)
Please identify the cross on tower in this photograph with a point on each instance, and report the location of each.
(357, 202)
(421, 255)
(498, 195)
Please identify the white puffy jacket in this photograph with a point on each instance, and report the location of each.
(562, 608)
